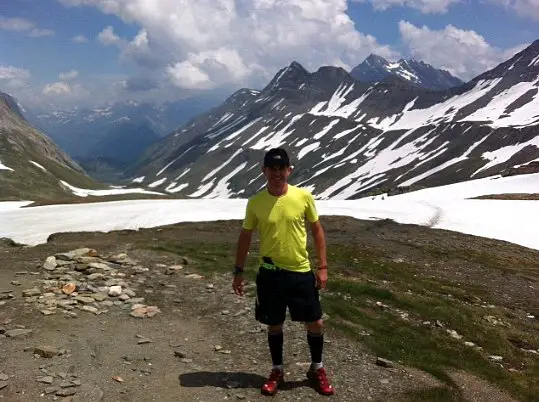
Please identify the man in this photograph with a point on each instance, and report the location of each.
(285, 278)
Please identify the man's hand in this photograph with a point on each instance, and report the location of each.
(321, 278)
(237, 285)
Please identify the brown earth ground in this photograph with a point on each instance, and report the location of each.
(395, 291)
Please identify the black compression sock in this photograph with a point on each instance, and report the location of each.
(316, 346)
(275, 342)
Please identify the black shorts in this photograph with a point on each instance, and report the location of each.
(277, 290)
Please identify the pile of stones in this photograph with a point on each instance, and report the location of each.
(82, 280)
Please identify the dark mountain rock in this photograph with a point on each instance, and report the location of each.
(375, 68)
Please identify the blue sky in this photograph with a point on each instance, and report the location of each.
(60, 53)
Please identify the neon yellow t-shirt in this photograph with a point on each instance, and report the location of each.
(280, 222)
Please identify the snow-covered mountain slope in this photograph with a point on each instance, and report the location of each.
(375, 68)
(31, 165)
(446, 207)
(348, 139)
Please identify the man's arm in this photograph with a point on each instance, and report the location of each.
(244, 242)
(320, 243)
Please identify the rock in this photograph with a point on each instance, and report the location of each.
(31, 292)
(90, 309)
(194, 276)
(470, 344)
(84, 299)
(130, 292)
(144, 311)
(4, 377)
(48, 312)
(180, 354)
(81, 267)
(118, 257)
(66, 392)
(16, 283)
(45, 380)
(50, 390)
(3, 384)
(138, 312)
(99, 265)
(86, 260)
(63, 263)
(173, 269)
(99, 296)
(50, 263)
(46, 351)
(454, 334)
(384, 362)
(18, 332)
(6, 296)
(115, 291)
(123, 297)
(80, 252)
(69, 288)
(496, 358)
(117, 378)
(143, 341)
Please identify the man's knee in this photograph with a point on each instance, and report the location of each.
(275, 329)
(316, 327)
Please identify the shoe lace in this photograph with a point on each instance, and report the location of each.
(322, 378)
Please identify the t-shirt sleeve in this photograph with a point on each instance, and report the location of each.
(250, 220)
(310, 212)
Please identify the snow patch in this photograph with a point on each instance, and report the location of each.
(4, 167)
(38, 165)
(82, 192)
(157, 182)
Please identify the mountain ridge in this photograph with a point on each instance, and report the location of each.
(376, 68)
(351, 138)
(32, 166)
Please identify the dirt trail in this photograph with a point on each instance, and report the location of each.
(204, 345)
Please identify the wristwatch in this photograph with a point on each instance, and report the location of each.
(238, 270)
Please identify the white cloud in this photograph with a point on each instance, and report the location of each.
(108, 37)
(69, 75)
(57, 88)
(14, 77)
(524, 8)
(465, 54)
(23, 25)
(425, 6)
(208, 43)
(79, 39)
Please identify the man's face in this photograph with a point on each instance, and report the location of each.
(277, 175)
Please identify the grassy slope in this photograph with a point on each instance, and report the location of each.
(402, 311)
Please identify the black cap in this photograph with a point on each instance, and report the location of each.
(276, 157)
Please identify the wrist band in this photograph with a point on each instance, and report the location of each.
(322, 267)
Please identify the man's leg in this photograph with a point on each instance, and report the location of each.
(275, 343)
(315, 339)
(270, 310)
(305, 306)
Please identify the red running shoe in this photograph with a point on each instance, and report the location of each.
(271, 385)
(320, 381)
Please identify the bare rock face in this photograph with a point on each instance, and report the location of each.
(36, 165)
